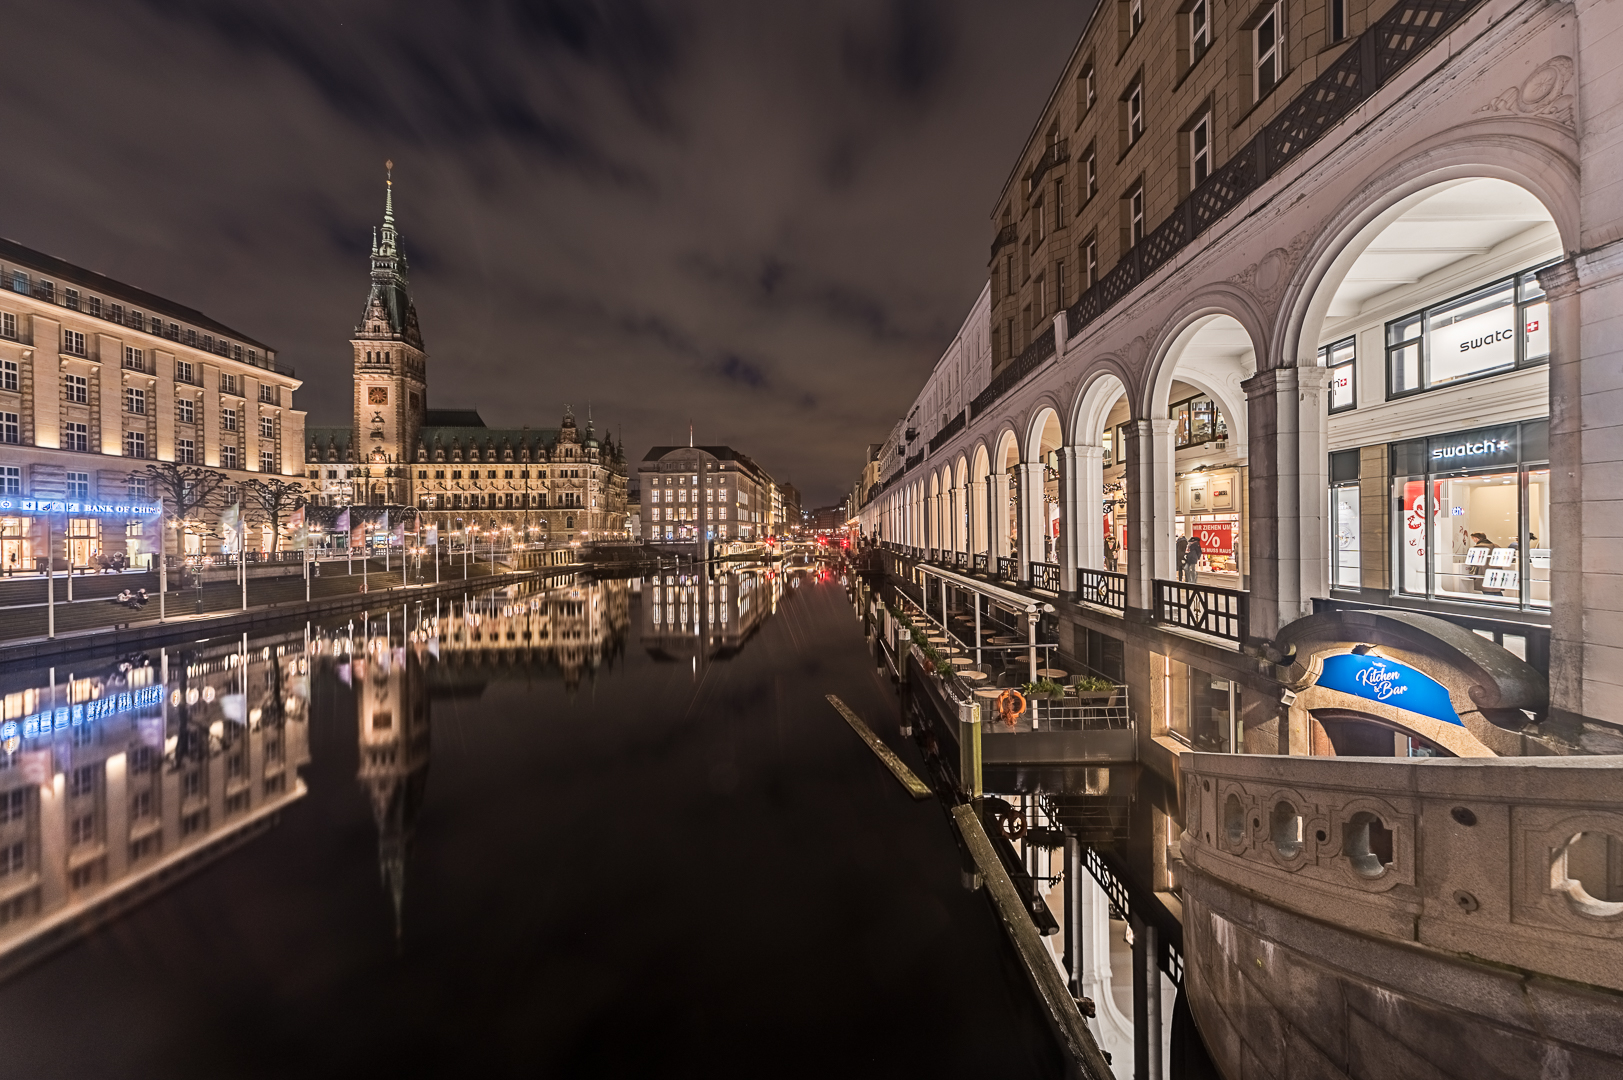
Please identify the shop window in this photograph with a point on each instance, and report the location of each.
(1345, 521)
(1339, 359)
(1203, 711)
(1494, 329)
(1197, 421)
(1474, 516)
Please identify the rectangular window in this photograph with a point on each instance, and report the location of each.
(1087, 91)
(228, 456)
(267, 461)
(1090, 261)
(228, 419)
(95, 307)
(1135, 215)
(268, 394)
(267, 427)
(1200, 151)
(1268, 51)
(11, 476)
(1497, 328)
(1090, 174)
(135, 487)
(76, 388)
(1039, 220)
(1059, 203)
(45, 290)
(19, 282)
(185, 411)
(230, 385)
(1135, 113)
(73, 342)
(1473, 516)
(183, 370)
(8, 375)
(8, 325)
(1200, 30)
(1135, 17)
(10, 430)
(79, 486)
(135, 400)
(185, 452)
(76, 437)
(134, 359)
(135, 444)
(1060, 283)
(70, 299)
(1338, 20)
(1339, 358)
(1345, 521)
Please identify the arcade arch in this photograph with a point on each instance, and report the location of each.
(1099, 427)
(1005, 497)
(1040, 488)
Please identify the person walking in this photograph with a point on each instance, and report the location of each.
(1179, 556)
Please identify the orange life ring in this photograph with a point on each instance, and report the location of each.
(1012, 824)
(1010, 704)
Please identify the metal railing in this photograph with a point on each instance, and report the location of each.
(980, 560)
(961, 558)
(948, 430)
(1008, 569)
(1103, 587)
(1045, 576)
(1017, 369)
(1206, 609)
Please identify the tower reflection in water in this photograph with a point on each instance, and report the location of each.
(573, 629)
(120, 778)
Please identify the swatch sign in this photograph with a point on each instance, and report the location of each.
(1390, 683)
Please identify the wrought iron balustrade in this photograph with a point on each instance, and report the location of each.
(1008, 569)
(1206, 609)
(1028, 361)
(1103, 587)
(980, 560)
(951, 428)
(1045, 576)
(960, 558)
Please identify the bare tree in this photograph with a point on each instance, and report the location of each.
(190, 494)
(272, 499)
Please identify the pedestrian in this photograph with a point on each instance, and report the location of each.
(1178, 558)
(1191, 558)
(1112, 551)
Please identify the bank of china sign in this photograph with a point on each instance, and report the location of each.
(1390, 683)
(12, 504)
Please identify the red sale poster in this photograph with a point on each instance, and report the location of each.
(1216, 538)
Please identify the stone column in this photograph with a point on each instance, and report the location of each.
(1146, 1001)
(1149, 483)
(1071, 524)
(1288, 494)
(1089, 519)
(1033, 517)
(977, 518)
(1586, 483)
(998, 518)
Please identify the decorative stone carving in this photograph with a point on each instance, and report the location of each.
(1543, 93)
(1265, 279)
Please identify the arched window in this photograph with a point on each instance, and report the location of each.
(569, 522)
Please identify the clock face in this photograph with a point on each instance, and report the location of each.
(377, 395)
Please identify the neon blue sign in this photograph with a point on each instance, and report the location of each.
(15, 504)
(43, 723)
(1390, 683)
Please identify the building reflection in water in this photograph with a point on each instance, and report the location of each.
(119, 779)
(709, 612)
(572, 628)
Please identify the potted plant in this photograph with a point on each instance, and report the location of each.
(1093, 690)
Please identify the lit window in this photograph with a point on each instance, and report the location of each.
(185, 411)
(76, 388)
(134, 359)
(135, 444)
(8, 325)
(267, 461)
(8, 375)
(11, 479)
(1339, 359)
(185, 452)
(1493, 329)
(267, 427)
(183, 370)
(228, 419)
(1268, 50)
(135, 400)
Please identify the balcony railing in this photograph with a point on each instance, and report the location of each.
(961, 558)
(980, 561)
(951, 428)
(1017, 369)
(1008, 569)
(1205, 609)
(1103, 587)
(1045, 576)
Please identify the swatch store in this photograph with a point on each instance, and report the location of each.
(1469, 506)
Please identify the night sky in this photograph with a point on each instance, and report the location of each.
(767, 217)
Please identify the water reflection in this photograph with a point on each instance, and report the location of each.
(121, 778)
(710, 612)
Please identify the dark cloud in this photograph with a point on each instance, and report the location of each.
(769, 218)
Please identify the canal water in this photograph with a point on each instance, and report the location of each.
(591, 829)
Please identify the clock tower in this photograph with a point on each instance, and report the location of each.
(391, 371)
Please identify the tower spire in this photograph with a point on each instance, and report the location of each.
(388, 191)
